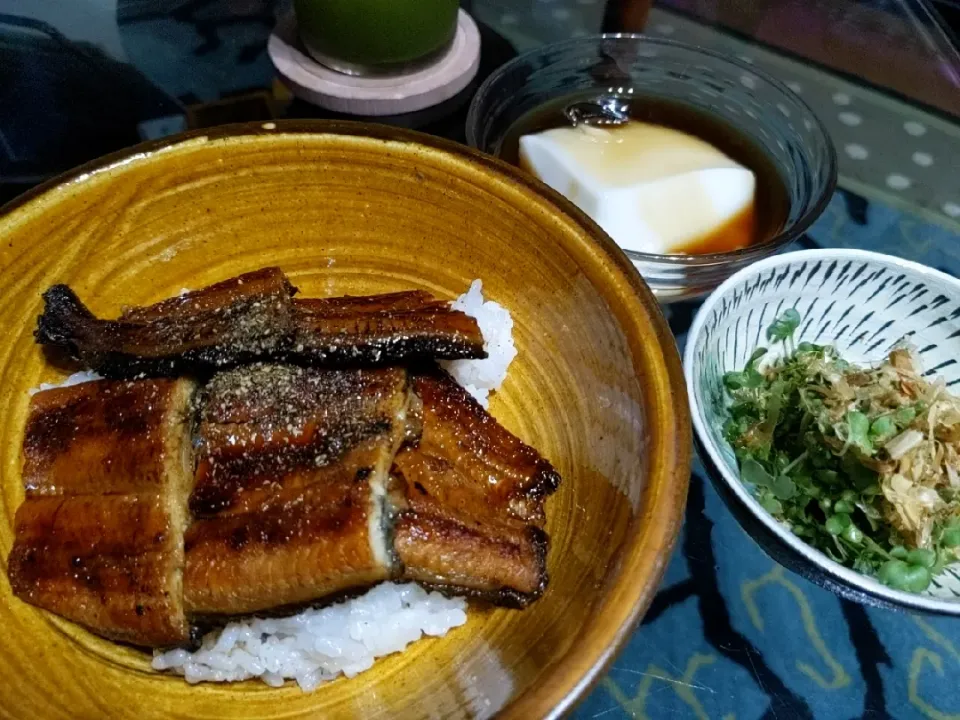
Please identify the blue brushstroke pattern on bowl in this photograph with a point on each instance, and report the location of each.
(863, 303)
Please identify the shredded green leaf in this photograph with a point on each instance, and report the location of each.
(784, 326)
(862, 463)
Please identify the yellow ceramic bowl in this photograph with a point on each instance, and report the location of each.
(348, 208)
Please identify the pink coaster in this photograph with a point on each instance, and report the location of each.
(384, 95)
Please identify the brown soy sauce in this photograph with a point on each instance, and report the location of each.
(759, 223)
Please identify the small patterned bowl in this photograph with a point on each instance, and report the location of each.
(864, 304)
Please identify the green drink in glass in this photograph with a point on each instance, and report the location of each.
(367, 37)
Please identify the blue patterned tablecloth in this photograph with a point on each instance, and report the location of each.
(733, 635)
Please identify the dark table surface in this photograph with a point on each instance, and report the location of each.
(731, 634)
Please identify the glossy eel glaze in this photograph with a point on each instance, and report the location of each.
(153, 504)
(255, 317)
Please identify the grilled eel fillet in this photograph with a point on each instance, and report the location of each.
(469, 499)
(99, 539)
(295, 469)
(299, 493)
(290, 486)
(255, 317)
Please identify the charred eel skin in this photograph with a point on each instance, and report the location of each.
(254, 317)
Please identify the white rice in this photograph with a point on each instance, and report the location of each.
(481, 377)
(75, 379)
(315, 646)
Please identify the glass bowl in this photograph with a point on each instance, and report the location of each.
(631, 66)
